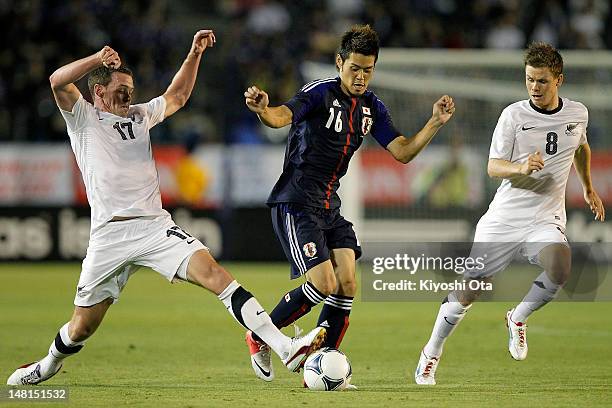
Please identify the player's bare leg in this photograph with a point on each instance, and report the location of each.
(204, 271)
(556, 259)
(68, 341)
(323, 277)
(337, 307)
(452, 311)
(86, 320)
(344, 268)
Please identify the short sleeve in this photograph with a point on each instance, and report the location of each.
(504, 135)
(303, 103)
(383, 129)
(156, 109)
(77, 117)
(583, 136)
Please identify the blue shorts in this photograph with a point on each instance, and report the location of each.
(307, 234)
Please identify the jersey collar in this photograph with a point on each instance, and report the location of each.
(104, 115)
(101, 115)
(547, 112)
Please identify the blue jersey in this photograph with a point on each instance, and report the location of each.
(328, 127)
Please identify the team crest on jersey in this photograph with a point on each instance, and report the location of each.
(310, 249)
(570, 129)
(366, 124)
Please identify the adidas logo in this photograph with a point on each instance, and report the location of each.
(336, 103)
(324, 324)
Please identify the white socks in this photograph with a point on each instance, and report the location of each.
(249, 313)
(452, 312)
(542, 291)
(450, 315)
(60, 348)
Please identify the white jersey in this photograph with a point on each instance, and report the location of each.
(115, 158)
(523, 129)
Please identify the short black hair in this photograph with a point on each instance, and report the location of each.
(360, 39)
(543, 55)
(103, 75)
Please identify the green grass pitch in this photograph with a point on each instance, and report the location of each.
(175, 346)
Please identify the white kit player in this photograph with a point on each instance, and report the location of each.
(532, 150)
(129, 228)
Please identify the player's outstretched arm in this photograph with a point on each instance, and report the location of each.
(272, 116)
(582, 163)
(405, 149)
(62, 80)
(182, 84)
(500, 168)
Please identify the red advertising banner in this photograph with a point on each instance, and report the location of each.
(35, 174)
(386, 180)
(440, 177)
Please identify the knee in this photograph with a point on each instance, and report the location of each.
(85, 321)
(347, 285)
(80, 330)
(326, 284)
(560, 274)
(211, 276)
(556, 261)
(467, 297)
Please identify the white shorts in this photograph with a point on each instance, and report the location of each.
(119, 248)
(498, 244)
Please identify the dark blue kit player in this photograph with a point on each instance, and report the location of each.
(329, 119)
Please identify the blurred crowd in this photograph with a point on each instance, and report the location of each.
(259, 41)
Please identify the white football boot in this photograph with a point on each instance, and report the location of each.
(426, 370)
(29, 374)
(302, 347)
(260, 357)
(517, 344)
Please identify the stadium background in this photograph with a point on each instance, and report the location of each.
(217, 165)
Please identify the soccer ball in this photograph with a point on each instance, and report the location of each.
(327, 370)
